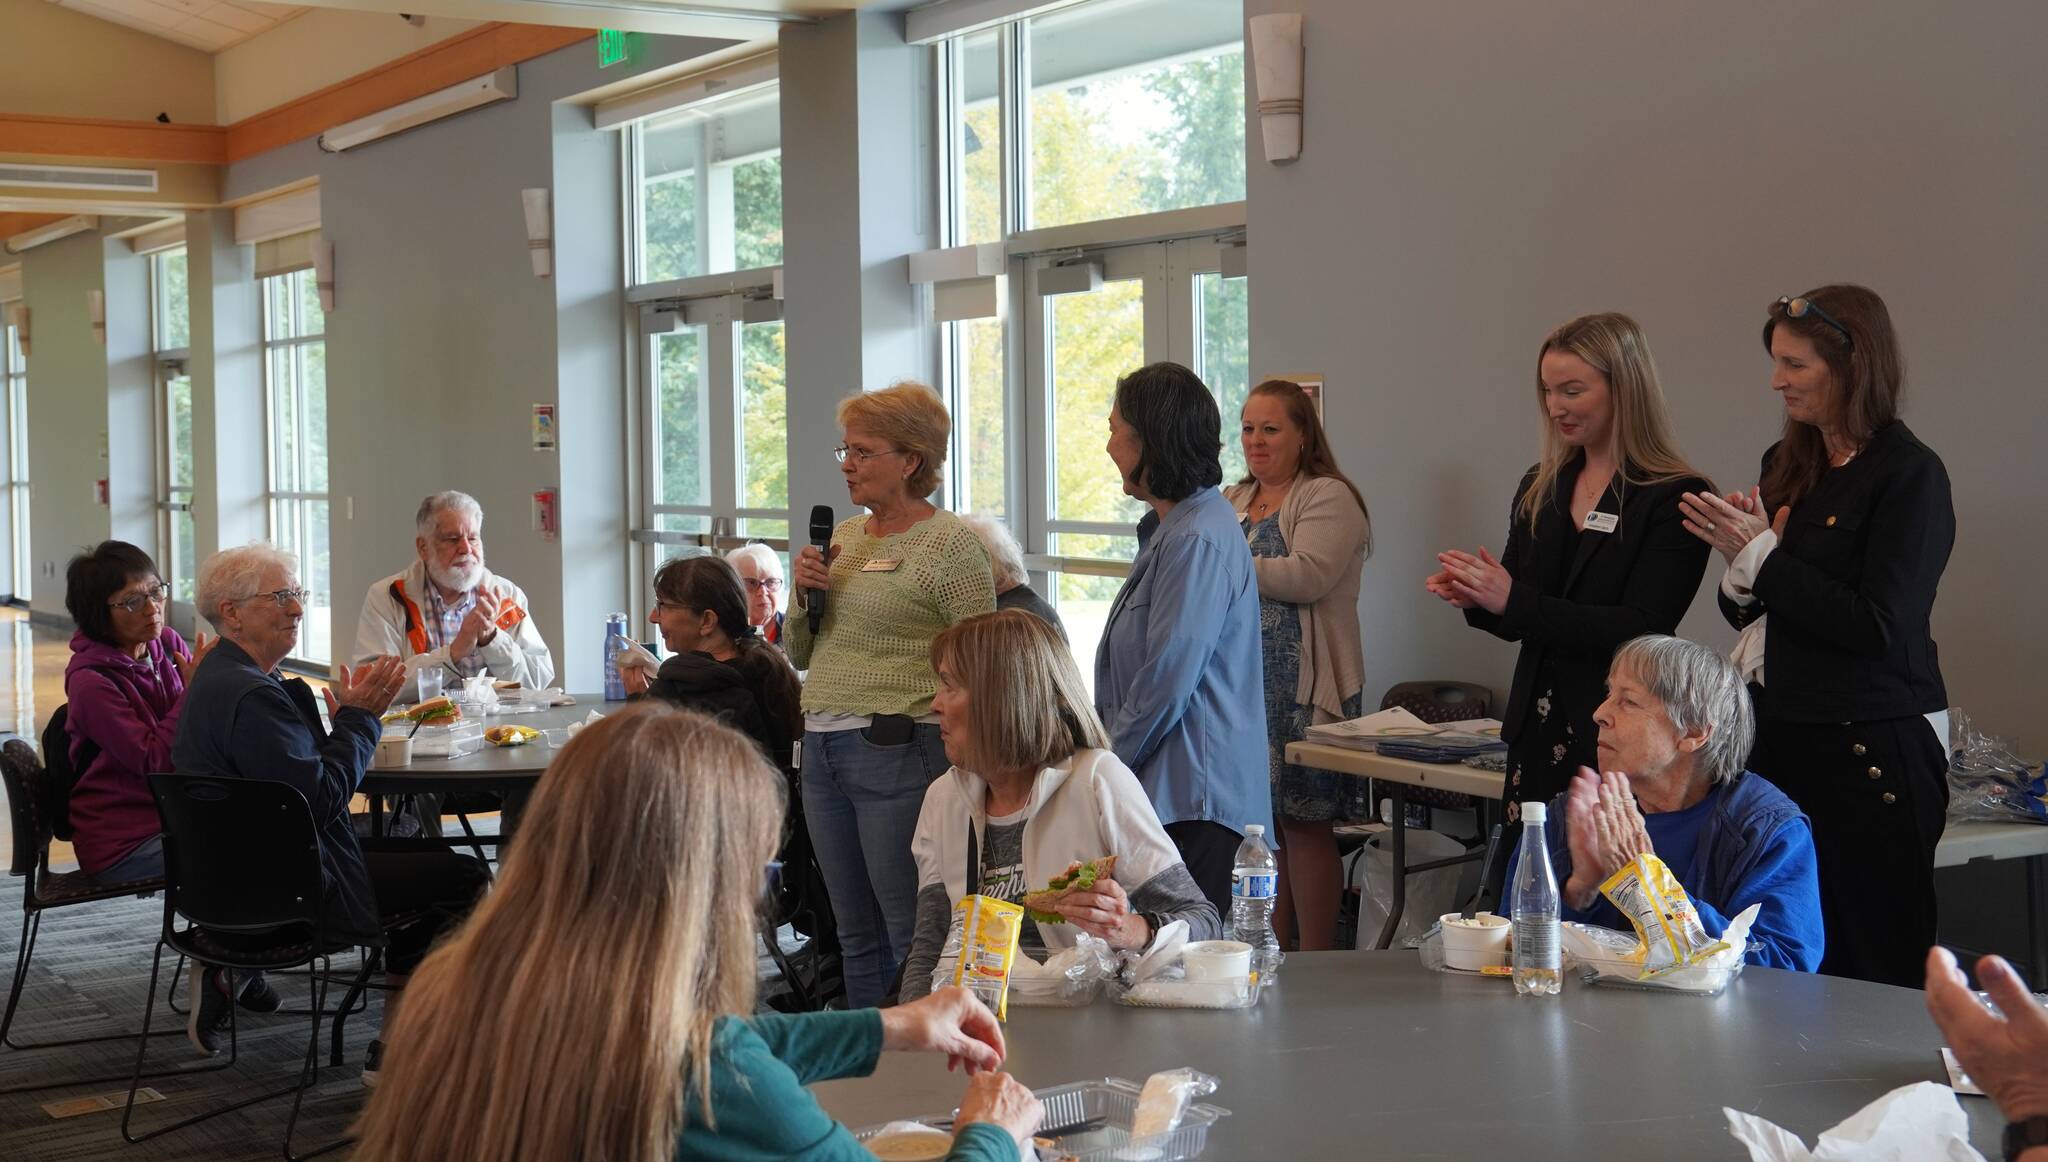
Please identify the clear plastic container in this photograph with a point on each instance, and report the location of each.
(464, 736)
(1090, 1121)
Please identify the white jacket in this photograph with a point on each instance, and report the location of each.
(1087, 807)
(516, 654)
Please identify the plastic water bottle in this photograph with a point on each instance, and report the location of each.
(1534, 893)
(1254, 883)
(614, 641)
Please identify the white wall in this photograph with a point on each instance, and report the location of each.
(1476, 173)
(55, 62)
(67, 412)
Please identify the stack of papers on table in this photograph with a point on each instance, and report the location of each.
(1441, 747)
(1366, 733)
(1472, 736)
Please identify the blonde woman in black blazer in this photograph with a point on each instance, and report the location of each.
(1833, 563)
(1596, 550)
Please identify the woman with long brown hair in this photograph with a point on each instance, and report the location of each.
(1833, 562)
(598, 1003)
(1309, 534)
(1596, 551)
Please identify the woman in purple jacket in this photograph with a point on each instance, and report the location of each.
(125, 685)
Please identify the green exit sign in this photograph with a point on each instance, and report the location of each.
(611, 47)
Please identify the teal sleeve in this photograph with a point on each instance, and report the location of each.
(822, 1046)
(759, 1069)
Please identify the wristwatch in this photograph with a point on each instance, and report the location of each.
(2024, 1135)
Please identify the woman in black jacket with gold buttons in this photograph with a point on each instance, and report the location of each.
(1833, 563)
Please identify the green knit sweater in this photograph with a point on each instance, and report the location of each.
(890, 597)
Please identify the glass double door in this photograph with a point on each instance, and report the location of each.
(1161, 301)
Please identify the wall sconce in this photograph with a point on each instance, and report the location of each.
(540, 232)
(323, 273)
(1277, 67)
(96, 311)
(21, 328)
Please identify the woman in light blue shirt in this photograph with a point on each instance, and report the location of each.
(1179, 680)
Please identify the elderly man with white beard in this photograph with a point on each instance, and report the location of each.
(447, 610)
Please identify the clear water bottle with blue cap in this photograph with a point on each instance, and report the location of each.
(1254, 886)
(614, 641)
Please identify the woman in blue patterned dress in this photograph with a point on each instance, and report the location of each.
(1309, 534)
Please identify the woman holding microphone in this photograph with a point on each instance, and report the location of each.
(1833, 560)
(896, 575)
(1309, 534)
(1597, 552)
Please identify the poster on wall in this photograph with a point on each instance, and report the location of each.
(543, 427)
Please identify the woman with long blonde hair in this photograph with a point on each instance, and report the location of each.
(1596, 553)
(1034, 787)
(597, 1003)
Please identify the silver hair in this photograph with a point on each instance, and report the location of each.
(237, 575)
(1005, 558)
(433, 506)
(1700, 690)
(761, 555)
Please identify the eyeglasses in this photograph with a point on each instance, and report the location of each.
(283, 597)
(769, 583)
(1800, 308)
(156, 594)
(661, 607)
(842, 452)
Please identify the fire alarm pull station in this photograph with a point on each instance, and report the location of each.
(544, 513)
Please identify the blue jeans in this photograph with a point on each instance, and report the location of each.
(144, 863)
(861, 803)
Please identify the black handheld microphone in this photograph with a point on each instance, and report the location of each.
(821, 536)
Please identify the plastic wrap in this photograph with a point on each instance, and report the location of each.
(1158, 979)
(1988, 782)
(1429, 893)
(1608, 957)
(1069, 978)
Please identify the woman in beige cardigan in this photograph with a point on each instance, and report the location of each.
(1309, 535)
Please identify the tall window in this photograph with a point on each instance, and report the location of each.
(295, 382)
(1103, 145)
(710, 187)
(707, 241)
(171, 313)
(14, 378)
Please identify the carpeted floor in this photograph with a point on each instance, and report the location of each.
(92, 963)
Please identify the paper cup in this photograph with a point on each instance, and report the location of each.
(1481, 942)
(393, 750)
(1217, 960)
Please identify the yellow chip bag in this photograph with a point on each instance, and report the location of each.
(989, 929)
(1666, 922)
(510, 735)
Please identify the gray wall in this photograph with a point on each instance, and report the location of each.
(442, 339)
(67, 411)
(1476, 173)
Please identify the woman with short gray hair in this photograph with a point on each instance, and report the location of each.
(1674, 731)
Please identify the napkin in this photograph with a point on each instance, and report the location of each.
(1913, 1123)
(634, 656)
(576, 727)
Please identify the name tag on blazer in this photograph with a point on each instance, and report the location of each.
(1602, 522)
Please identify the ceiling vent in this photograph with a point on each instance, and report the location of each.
(78, 177)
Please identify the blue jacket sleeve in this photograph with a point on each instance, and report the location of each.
(271, 742)
(1786, 881)
(1189, 599)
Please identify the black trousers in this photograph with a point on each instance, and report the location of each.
(1210, 851)
(420, 895)
(1877, 793)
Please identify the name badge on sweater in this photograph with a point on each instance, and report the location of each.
(1602, 522)
(879, 566)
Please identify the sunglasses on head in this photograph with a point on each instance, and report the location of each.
(1799, 308)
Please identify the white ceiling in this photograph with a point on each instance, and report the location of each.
(209, 25)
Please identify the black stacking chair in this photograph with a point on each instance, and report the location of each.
(242, 870)
(44, 890)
